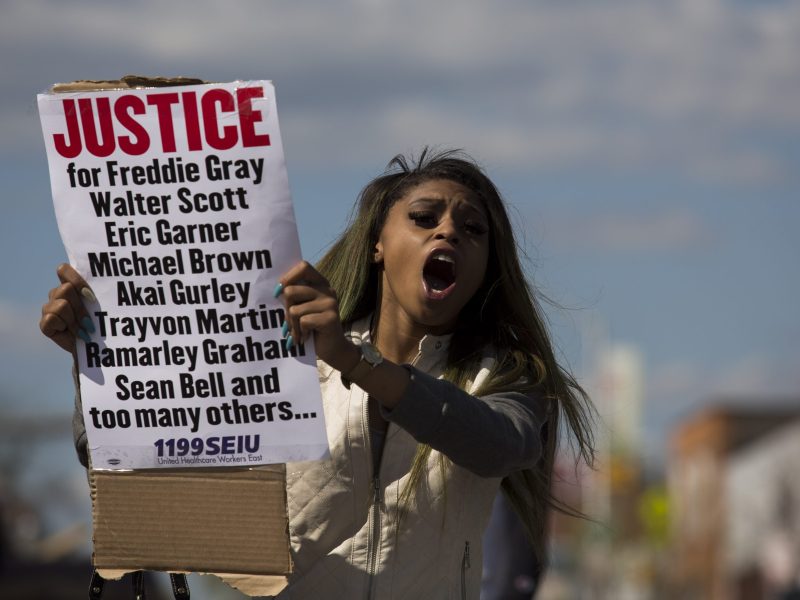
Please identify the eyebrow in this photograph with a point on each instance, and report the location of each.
(470, 205)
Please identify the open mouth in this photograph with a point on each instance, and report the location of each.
(439, 275)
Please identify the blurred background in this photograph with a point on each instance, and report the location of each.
(651, 153)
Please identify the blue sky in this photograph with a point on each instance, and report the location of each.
(651, 152)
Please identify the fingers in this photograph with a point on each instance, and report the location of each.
(64, 315)
(60, 324)
(54, 327)
(302, 272)
(66, 274)
(315, 315)
(67, 301)
(311, 304)
(304, 300)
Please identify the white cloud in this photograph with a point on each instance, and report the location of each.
(625, 232)
(621, 84)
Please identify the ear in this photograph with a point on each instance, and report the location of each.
(377, 254)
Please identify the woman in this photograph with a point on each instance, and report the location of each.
(439, 384)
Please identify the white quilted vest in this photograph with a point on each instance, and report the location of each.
(343, 518)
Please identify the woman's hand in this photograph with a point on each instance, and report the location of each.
(64, 315)
(312, 307)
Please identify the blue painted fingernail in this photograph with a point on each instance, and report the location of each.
(278, 289)
(285, 328)
(289, 342)
(87, 324)
(83, 335)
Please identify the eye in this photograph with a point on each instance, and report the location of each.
(423, 218)
(475, 227)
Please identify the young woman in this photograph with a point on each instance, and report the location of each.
(439, 385)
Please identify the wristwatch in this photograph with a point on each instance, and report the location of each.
(371, 357)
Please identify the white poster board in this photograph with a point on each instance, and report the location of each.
(173, 203)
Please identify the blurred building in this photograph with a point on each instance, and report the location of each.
(611, 555)
(733, 499)
(616, 389)
(619, 395)
(763, 521)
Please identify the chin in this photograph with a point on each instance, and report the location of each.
(444, 321)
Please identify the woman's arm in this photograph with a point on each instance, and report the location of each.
(491, 436)
(313, 309)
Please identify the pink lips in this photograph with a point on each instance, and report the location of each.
(439, 274)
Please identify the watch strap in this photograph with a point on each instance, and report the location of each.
(369, 359)
(360, 370)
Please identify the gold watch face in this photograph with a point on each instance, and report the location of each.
(371, 354)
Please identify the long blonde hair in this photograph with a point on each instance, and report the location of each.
(504, 314)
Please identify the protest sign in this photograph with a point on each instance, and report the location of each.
(173, 203)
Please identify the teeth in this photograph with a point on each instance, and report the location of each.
(443, 257)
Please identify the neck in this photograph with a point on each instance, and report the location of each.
(395, 334)
(397, 343)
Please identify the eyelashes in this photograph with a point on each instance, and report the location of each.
(429, 219)
(475, 228)
(421, 217)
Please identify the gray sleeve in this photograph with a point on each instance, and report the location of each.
(492, 436)
(78, 426)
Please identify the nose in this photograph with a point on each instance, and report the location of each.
(447, 230)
